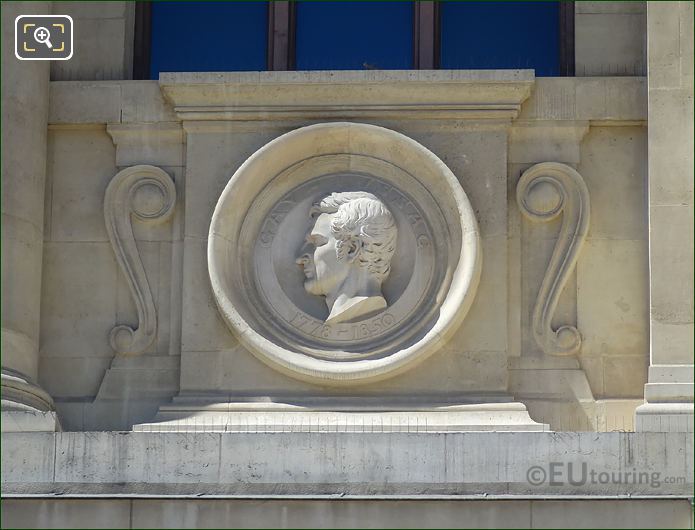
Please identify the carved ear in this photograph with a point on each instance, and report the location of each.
(354, 247)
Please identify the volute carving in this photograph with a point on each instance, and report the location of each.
(149, 194)
(545, 191)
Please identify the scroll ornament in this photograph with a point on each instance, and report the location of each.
(147, 193)
(545, 191)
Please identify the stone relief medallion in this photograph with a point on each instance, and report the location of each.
(343, 253)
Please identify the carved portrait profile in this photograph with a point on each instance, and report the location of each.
(341, 253)
(347, 255)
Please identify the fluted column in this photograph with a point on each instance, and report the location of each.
(24, 117)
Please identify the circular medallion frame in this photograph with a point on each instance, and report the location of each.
(435, 272)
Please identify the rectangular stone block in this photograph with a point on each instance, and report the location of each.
(551, 99)
(610, 44)
(27, 457)
(644, 513)
(593, 368)
(139, 383)
(540, 141)
(72, 377)
(235, 370)
(625, 376)
(626, 98)
(101, 42)
(672, 342)
(309, 451)
(477, 158)
(81, 163)
(71, 414)
(670, 147)
(143, 103)
(78, 303)
(664, 44)
(612, 299)
(157, 144)
(450, 371)
(611, 7)
(611, 98)
(604, 98)
(120, 415)
(590, 97)
(202, 327)
(672, 263)
(211, 160)
(617, 414)
(295, 513)
(613, 165)
(80, 458)
(485, 326)
(66, 513)
(72, 102)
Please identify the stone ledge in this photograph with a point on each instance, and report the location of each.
(498, 463)
(245, 417)
(99, 102)
(344, 512)
(603, 100)
(442, 94)
(276, 96)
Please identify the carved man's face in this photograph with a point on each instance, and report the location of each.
(323, 271)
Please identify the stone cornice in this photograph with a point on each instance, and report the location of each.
(427, 96)
(442, 94)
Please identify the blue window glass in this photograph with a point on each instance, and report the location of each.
(208, 37)
(489, 35)
(354, 35)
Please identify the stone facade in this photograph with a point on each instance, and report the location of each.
(541, 280)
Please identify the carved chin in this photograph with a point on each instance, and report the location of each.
(312, 287)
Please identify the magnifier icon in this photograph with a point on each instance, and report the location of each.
(42, 35)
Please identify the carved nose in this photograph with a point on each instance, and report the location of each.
(302, 260)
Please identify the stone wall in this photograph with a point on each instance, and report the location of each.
(522, 480)
(610, 38)
(582, 319)
(104, 34)
(593, 124)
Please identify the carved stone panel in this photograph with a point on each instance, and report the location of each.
(545, 191)
(147, 193)
(342, 253)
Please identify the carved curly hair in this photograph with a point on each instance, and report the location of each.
(361, 214)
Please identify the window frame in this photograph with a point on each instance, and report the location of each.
(282, 24)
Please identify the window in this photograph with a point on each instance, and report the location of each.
(208, 36)
(281, 35)
(512, 35)
(354, 36)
